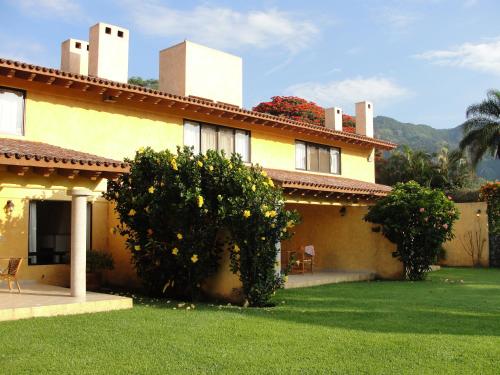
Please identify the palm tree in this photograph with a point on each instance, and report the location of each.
(482, 128)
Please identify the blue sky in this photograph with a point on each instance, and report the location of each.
(420, 61)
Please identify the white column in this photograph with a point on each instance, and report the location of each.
(277, 267)
(79, 241)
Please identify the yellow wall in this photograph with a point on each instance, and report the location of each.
(473, 221)
(14, 225)
(343, 242)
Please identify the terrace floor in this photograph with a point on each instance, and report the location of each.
(328, 277)
(38, 300)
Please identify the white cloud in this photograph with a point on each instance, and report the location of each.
(223, 27)
(67, 9)
(483, 57)
(346, 92)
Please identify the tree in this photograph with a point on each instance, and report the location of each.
(482, 128)
(148, 83)
(418, 220)
(299, 109)
(179, 211)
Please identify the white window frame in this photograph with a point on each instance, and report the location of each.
(331, 151)
(22, 93)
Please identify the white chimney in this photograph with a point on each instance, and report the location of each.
(192, 69)
(364, 118)
(333, 118)
(75, 56)
(108, 54)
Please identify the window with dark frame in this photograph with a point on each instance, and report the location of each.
(49, 240)
(11, 111)
(317, 158)
(203, 137)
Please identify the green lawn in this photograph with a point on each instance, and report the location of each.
(449, 324)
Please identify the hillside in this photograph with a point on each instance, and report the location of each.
(429, 139)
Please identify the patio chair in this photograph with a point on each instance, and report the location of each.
(10, 273)
(303, 259)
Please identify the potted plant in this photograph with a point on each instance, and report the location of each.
(97, 261)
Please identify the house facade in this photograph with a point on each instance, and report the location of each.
(65, 132)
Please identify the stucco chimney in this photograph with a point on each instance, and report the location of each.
(75, 56)
(192, 69)
(333, 118)
(108, 53)
(364, 118)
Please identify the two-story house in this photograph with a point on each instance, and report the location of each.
(65, 132)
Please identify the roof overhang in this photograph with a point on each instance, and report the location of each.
(187, 106)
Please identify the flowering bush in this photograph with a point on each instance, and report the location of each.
(490, 192)
(174, 208)
(299, 109)
(418, 220)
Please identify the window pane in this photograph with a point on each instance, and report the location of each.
(324, 160)
(300, 155)
(226, 141)
(208, 138)
(312, 158)
(11, 111)
(242, 144)
(192, 135)
(334, 160)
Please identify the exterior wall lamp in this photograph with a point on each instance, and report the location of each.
(9, 207)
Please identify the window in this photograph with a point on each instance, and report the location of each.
(50, 232)
(317, 158)
(11, 111)
(203, 137)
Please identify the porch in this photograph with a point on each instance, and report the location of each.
(41, 300)
(322, 278)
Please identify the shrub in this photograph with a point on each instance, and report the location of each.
(490, 192)
(418, 220)
(98, 260)
(175, 210)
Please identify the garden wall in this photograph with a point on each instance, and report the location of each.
(473, 224)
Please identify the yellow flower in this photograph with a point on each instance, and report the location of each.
(285, 279)
(270, 182)
(137, 247)
(265, 183)
(151, 190)
(263, 238)
(179, 236)
(271, 213)
(175, 251)
(200, 201)
(200, 164)
(194, 258)
(131, 212)
(246, 214)
(290, 224)
(253, 187)
(173, 163)
(263, 173)
(249, 178)
(140, 150)
(236, 248)
(211, 168)
(273, 225)
(230, 165)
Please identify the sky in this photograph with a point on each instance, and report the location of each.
(419, 61)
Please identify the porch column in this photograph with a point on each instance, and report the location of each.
(277, 266)
(78, 240)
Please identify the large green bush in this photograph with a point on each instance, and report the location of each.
(418, 220)
(178, 211)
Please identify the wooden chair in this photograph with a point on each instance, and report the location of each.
(10, 273)
(302, 260)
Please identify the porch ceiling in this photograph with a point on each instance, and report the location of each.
(21, 156)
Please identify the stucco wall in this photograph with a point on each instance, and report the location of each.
(343, 242)
(473, 221)
(14, 226)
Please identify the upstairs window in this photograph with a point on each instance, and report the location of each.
(204, 137)
(11, 111)
(317, 158)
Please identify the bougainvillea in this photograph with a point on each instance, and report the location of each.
(418, 220)
(490, 192)
(179, 211)
(299, 109)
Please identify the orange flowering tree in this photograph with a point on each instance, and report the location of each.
(179, 211)
(299, 109)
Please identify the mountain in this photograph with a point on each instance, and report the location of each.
(429, 139)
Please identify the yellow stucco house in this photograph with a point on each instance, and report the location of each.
(65, 132)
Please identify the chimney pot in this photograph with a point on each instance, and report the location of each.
(333, 118)
(74, 56)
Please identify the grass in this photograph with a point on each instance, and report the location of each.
(448, 324)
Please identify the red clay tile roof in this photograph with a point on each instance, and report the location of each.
(193, 105)
(310, 181)
(28, 153)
